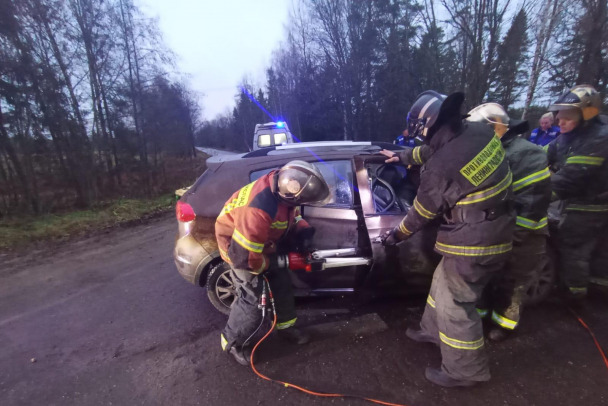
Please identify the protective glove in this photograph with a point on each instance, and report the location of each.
(393, 237)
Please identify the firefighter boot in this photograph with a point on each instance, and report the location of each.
(438, 377)
(242, 355)
(294, 335)
(420, 336)
(498, 334)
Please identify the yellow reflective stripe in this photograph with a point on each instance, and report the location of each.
(546, 148)
(530, 179)
(422, 211)
(280, 224)
(482, 312)
(431, 301)
(404, 229)
(578, 290)
(473, 251)
(531, 224)
(588, 207)
(245, 243)
(487, 193)
(223, 342)
(224, 255)
(243, 197)
(585, 160)
(228, 207)
(502, 321)
(485, 163)
(286, 324)
(416, 155)
(298, 218)
(462, 345)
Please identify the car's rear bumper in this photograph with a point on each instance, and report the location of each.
(191, 259)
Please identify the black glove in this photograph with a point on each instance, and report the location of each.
(393, 237)
(304, 239)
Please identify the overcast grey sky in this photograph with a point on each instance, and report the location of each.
(217, 42)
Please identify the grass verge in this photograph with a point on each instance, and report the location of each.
(26, 230)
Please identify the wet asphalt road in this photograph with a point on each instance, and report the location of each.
(108, 321)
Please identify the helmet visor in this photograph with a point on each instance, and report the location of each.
(296, 186)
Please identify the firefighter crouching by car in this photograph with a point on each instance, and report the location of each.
(247, 230)
(505, 295)
(579, 160)
(467, 180)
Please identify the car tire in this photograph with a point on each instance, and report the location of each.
(544, 283)
(220, 287)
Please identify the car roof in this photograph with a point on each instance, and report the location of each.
(352, 147)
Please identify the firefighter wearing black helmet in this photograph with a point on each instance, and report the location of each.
(466, 180)
(531, 195)
(247, 230)
(579, 160)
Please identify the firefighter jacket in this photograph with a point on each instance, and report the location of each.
(531, 182)
(251, 223)
(415, 156)
(467, 180)
(579, 160)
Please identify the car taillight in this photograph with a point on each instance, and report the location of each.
(184, 212)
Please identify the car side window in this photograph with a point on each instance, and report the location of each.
(337, 174)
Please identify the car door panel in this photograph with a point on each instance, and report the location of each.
(412, 261)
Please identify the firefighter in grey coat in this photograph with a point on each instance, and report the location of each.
(531, 195)
(579, 158)
(467, 180)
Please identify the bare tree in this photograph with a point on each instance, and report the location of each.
(546, 21)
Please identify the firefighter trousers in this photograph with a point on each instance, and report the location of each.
(245, 316)
(451, 316)
(505, 295)
(583, 248)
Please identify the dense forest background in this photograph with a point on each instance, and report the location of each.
(89, 110)
(351, 69)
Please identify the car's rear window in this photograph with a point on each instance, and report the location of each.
(337, 174)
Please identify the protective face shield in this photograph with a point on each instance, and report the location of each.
(423, 113)
(300, 182)
(492, 114)
(582, 97)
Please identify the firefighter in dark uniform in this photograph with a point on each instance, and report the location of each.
(252, 222)
(467, 180)
(531, 195)
(579, 160)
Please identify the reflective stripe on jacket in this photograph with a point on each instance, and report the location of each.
(531, 182)
(467, 165)
(580, 162)
(250, 224)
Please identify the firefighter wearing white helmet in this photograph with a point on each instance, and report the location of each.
(505, 296)
(251, 224)
(579, 158)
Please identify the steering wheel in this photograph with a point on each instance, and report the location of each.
(383, 204)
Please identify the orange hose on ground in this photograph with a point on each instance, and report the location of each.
(597, 344)
(310, 392)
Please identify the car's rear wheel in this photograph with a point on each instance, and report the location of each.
(544, 282)
(221, 289)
